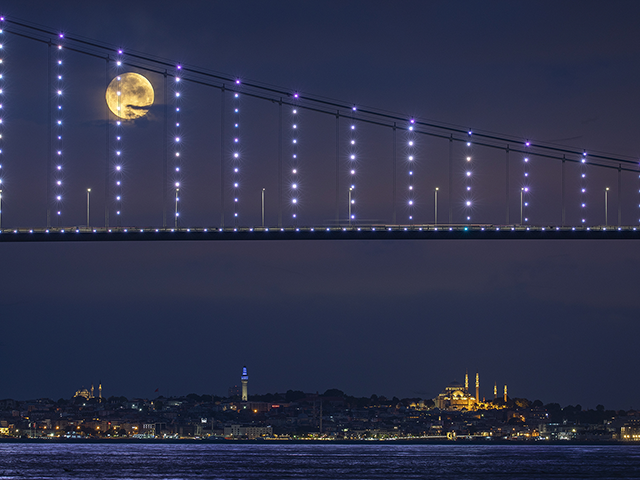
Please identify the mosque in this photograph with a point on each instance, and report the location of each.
(457, 396)
(87, 395)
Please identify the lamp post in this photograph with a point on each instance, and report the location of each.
(176, 212)
(350, 202)
(606, 209)
(436, 207)
(88, 193)
(263, 207)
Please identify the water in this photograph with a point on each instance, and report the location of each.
(316, 461)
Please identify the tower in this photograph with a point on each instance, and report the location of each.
(100, 390)
(91, 391)
(466, 381)
(505, 393)
(477, 387)
(495, 390)
(245, 381)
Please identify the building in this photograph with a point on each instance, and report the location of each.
(457, 397)
(88, 394)
(245, 383)
(238, 431)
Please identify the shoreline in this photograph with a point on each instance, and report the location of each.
(152, 441)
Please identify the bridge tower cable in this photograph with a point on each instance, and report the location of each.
(118, 157)
(177, 173)
(2, 79)
(450, 179)
(468, 174)
(394, 180)
(619, 195)
(338, 167)
(236, 157)
(165, 150)
(280, 162)
(50, 143)
(58, 151)
(295, 166)
(583, 189)
(507, 185)
(223, 154)
(107, 157)
(352, 166)
(526, 184)
(410, 149)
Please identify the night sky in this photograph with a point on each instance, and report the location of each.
(555, 320)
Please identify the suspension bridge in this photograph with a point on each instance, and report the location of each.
(101, 143)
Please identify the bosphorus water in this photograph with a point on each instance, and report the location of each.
(316, 461)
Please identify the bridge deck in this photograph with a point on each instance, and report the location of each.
(369, 232)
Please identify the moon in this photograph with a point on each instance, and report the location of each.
(129, 96)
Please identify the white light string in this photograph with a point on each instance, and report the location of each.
(295, 166)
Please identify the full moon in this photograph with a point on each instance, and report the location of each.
(129, 96)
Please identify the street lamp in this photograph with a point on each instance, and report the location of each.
(88, 193)
(436, 207)
(263, 207)
(350, 203)
(606, 209)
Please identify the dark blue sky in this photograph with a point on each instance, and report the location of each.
(553, 320)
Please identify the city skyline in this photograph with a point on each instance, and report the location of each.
(555, 320)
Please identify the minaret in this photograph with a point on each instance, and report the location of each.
(91, 391)
(100, 390)
(505, 393)
(245, 380)
(466, 381)
(495, 390)
(477, 387)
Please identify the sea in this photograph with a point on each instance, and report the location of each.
(379, 460)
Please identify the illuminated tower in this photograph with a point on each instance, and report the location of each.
(495, 390)
(466, 381)
(91, 391)
(245, 381)
(505, 393)
(477, 387)
(100, 390)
